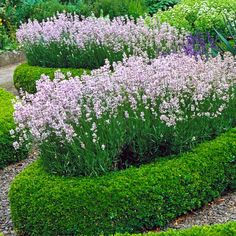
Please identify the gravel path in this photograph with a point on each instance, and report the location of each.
(220, 211)
(6, 177)
(6, 78)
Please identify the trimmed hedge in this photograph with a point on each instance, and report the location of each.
(227, 229)
(8, 154)
(125, 201)
(25, 76)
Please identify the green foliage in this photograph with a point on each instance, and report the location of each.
(199, 15)
(227, 229)
(156, 5)
(115, 8)
(228, 43)
(7, 28)
(124, 201)
(25, 76)
(42, 9)
(7, 153)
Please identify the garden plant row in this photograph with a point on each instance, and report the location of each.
(126, 201)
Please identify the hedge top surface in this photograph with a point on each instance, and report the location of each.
(6, 110)
(228, 229)
(26, 76)
(124, 201)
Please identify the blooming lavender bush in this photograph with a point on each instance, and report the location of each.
(141, 110)
(200, 44)
(69, 41)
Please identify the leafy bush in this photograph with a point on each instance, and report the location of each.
(156, 5)
(42, 9)
(227, 229)
(115, 8)
(126, 116)
(26, 77)
(7, 153)
(66, 41)
(199, 15)
(7, 28)
(124, 201)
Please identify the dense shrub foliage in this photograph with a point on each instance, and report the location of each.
(156, 5)
(199, 15)
(112, 119)
(124, 201)
(26, 76)
(7, 153)
(113, 8)
(66, 41)
(227, 229)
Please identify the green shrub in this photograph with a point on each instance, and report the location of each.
(227, 229)
(40, 9)
(115, 8)
(124, 201)
(25, 76)
(156, 5)
(7, 153)
(199, 15)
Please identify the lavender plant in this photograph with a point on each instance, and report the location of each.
(68, 41)
(200, 44)
(140, 110)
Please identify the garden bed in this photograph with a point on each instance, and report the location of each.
(126, 201)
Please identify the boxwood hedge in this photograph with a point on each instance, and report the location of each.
(8, 154)
(124, 201)
(227, 229)
(25, 76)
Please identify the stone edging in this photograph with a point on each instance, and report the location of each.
(8, 58)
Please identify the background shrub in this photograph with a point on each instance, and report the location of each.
(199, 15)
(227, 229)
(8, 154)
(26, 76)
(156, 5)
(124, 201)
(115, 8)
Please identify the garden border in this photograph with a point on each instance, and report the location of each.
(226, 229)
(125, 201)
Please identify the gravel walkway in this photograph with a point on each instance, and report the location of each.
(219, 211)
(6, 78)
(6, 177)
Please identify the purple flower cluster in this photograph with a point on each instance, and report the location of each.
(199, 45)
(169, 90)
(119, 34)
